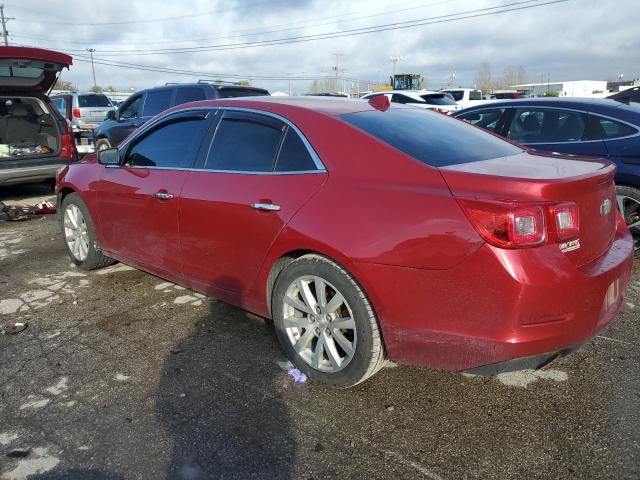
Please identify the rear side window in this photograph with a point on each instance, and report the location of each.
(61, 105)
(487, 119)
(172, 145)
(245, 143)
(431, 138)
(456, 94)
(399, 98)
(612, 129)
(475, 95)
(156, 102)
(189, 94)
(294, 156)
(531, 125)
(89, 101)
(438, 99)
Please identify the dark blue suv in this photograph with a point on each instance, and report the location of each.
(595, 127)
(142, 106)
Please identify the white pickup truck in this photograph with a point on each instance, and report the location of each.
(466, 97)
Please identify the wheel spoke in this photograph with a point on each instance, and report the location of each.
(332, 352)
(635, 225)
(335, 302)
(620, 200)
(297, 322)
(321, 291)
(318, 353)
(304, 340)
(307, 296)
(345, 344)
(346, 323)
(297, 304)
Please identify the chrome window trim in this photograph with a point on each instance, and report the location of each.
(320, 168)
(241, 172)
(593, 114)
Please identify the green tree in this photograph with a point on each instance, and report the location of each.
(244, 82)
(65, 85)
(551, 93)
(96, 89)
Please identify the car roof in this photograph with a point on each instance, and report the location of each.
(591, 104)
(217, 86)
(331, 106)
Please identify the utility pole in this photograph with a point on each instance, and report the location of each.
(93, 70)
(337, 69)
(4, 20)
(394, 60)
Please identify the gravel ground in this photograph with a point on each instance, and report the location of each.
(121, 375)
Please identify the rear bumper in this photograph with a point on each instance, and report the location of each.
(30, 171)
(497, 306)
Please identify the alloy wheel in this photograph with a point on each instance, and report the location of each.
(630, 209)
(319, 324)
(76, 233)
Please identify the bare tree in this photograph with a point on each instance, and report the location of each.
(514, 75)
(484, 81)
(65, 85)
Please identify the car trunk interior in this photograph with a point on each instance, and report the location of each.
(27, 128)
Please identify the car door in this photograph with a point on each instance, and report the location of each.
(558, 130)
(258, 172)
(621, 140)
(139, 200)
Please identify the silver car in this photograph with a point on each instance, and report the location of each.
(84, 111)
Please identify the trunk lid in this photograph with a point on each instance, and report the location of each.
(549, 179)
(30, 70)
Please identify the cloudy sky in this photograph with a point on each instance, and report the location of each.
(568, 40)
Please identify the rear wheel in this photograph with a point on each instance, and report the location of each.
(629, 205)
(80, 234)
(325, 322)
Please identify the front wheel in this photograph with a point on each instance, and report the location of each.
(102, 144)
(79, 234)
(325, 323)
(629, 206)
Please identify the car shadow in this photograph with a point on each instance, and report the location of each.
(217, 400)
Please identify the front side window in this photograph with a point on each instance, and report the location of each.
(532, 125)
(61, 105)
(457, 95)
(245, 143)
(132, 110)
(475, 95)
(157, 101)
(487, 119)
(171, 145)
(442, 141)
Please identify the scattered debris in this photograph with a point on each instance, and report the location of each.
(390, 408)
(14, 329)
(297, 375)
(23, 212)
(122, 378)
(175, 351)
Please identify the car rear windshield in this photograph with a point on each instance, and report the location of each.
(432, 138)
(241, 92)
(456, 94)
(93, 101)
(438, 99)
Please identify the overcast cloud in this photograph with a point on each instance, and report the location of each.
(577, 39)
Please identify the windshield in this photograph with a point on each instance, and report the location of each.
(431, 138)
(438, 99)
(406, 82)
(93, 101)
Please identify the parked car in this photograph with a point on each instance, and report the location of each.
(84, 111)
(440, 101)
(362, 240)
(144, 105)
(35, 140)
(466, 97)
(630, 95)
(595, 127)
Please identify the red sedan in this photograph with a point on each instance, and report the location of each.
(365, 231)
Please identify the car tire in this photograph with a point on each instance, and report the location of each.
(311, 333)
(629, 205)
(102, 144)
(79, 233)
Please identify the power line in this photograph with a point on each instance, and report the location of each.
(243, 33)
(476, 13)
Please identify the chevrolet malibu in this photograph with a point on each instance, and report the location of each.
(363, 241)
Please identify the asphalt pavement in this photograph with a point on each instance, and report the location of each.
(121, 375)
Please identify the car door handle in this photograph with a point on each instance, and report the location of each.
(163, 195)
(269, 207)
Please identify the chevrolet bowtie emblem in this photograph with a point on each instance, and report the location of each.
(605, 207)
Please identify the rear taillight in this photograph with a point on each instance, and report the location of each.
(566, 220)
(68, 145)
(76, 113)
(507, 225)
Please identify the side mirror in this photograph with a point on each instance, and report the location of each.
(111, 115)
(109, 156)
